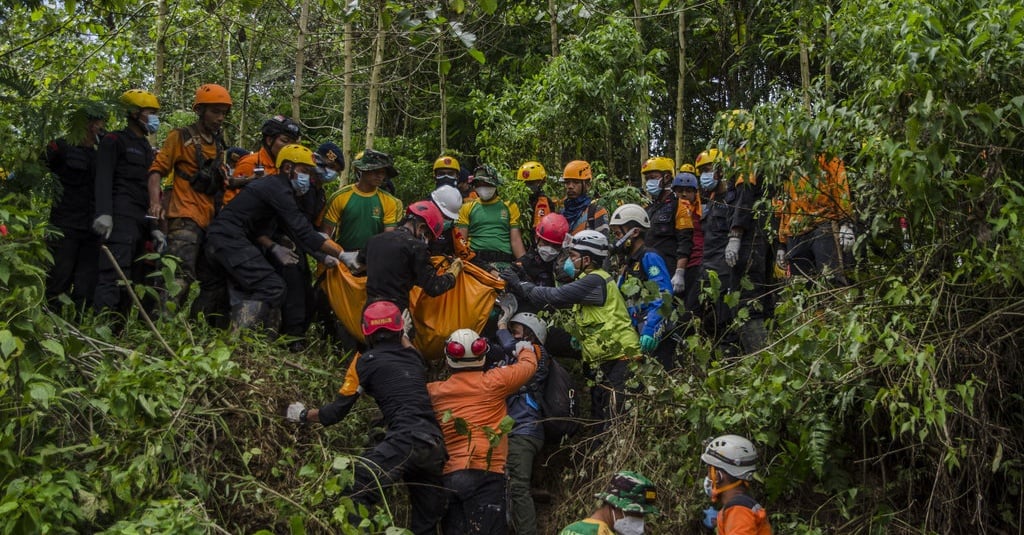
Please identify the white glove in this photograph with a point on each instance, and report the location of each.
(780, 259)
(846, 237)
(349, 259)
(159, 241)
(678, 282)
(524, 345)
(294, 413)
(732, 251)
(102, 225)
(331, 262)
(284, 255)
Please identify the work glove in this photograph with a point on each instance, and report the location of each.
(349, 259)
(159, 240)
(678, 281)
(710, 518)
(523, 345)
(510, 278)
(648, 343)
(294, 413)
(732, 251)
(846, 237)
(455, 268)
(102, 225)
(331, 262)
(780, 259)
(508, 304)
(284, 255)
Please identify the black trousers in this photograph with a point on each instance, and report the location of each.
(296, 310)
(476, 503)
(126, 242)
(75, 266)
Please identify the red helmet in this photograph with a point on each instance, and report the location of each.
(430, 214)
(553, 228)
(382, 315)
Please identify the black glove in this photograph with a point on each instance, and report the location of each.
(510, 278)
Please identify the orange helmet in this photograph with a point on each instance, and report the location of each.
(577, 170)
(211, 94)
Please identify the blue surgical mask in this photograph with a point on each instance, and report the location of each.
(569, 268)
(301, 183)
(152, 124)
(330, 175)
(653, 186)
(707, 486)
(708, 181)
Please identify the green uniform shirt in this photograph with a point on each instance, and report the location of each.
(488, 225)
(587, 526)
(356, 215)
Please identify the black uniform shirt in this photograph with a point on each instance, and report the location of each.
(122, 174)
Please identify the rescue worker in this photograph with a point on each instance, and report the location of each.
(624, 505)
(538, 263)
(360, 210)
(121, 193)
(490, 224)
(76, 248)
(629, 224)
(578, 208)
(605, 330)
(533, 175)
(275, 133)
(815, 234)
(685, 186)
(671, 229)
(446, 172)
(474, 475)
(527, 437)
(258, 285)
(334, 160)
(450, 242)
(413, 448)
(732, 461)
(195, 155)
(399, 260)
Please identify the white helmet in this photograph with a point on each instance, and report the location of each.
(449, 200)
(630, 213)
(465, 349)
(733, 454)
(589, 241)
(532, 322)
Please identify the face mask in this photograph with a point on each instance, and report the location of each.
(301, 183)
(653, 186)
(152, 124)
(707, 486)
(569, 268)
(486, 193)
(330, 175)
(629, 525)
(547, 253)
(625, 241)
(707, 180)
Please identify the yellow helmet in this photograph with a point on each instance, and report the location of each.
(447, 162)
(577, 170)
(295, 154)
(687, 168)
(531, 171)
(708, 156)
(137, 98)
(658, 163)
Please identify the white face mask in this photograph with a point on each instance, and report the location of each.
(629, 525)
(486, 193)
(547, 253)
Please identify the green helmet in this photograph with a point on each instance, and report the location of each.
(372, 159)
(631, 492)
(485, 174)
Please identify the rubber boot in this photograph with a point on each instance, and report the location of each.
(248, 314)
(753, 336)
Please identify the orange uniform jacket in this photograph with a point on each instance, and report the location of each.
(245, 168)
(810, 202)
(478, 397)
(741, 520)
(185, 202)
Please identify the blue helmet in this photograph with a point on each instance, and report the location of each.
(685, 180)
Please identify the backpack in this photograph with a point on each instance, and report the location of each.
(210, 174)
(558, 404)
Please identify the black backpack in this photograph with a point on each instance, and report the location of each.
(558, 404)
(210, 174)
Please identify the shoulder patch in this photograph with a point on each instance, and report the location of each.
(653, 271)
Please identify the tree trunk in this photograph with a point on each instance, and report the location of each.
(805, 72)
(553, 15)
(300, 59)
(161, 47)
(378, 60)
(680, 152)
(346, 110)
(644, 108)
(443, 86)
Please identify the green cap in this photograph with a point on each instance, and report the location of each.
(372, 159)
(485, 174)
(631, 492)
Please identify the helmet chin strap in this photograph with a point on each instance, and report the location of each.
(716, 491)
